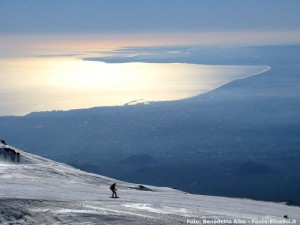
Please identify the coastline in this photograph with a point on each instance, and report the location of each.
(141, 102)
(251, 75)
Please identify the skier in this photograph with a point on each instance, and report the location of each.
(114, 190)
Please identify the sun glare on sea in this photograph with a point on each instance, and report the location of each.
(38, 84)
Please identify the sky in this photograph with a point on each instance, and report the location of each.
(65, 26)
(123, 16)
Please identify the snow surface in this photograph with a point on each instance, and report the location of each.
(41, 191)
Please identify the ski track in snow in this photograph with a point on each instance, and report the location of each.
(41, 191)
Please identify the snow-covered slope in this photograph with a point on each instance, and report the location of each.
(40, 191)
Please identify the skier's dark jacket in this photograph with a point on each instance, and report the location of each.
(113, 187)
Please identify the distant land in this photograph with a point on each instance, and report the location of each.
(240, 140)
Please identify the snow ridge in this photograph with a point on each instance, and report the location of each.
(37, 190)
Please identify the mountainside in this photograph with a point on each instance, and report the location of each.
(37, 190)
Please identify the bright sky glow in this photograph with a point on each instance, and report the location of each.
(87, 45)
